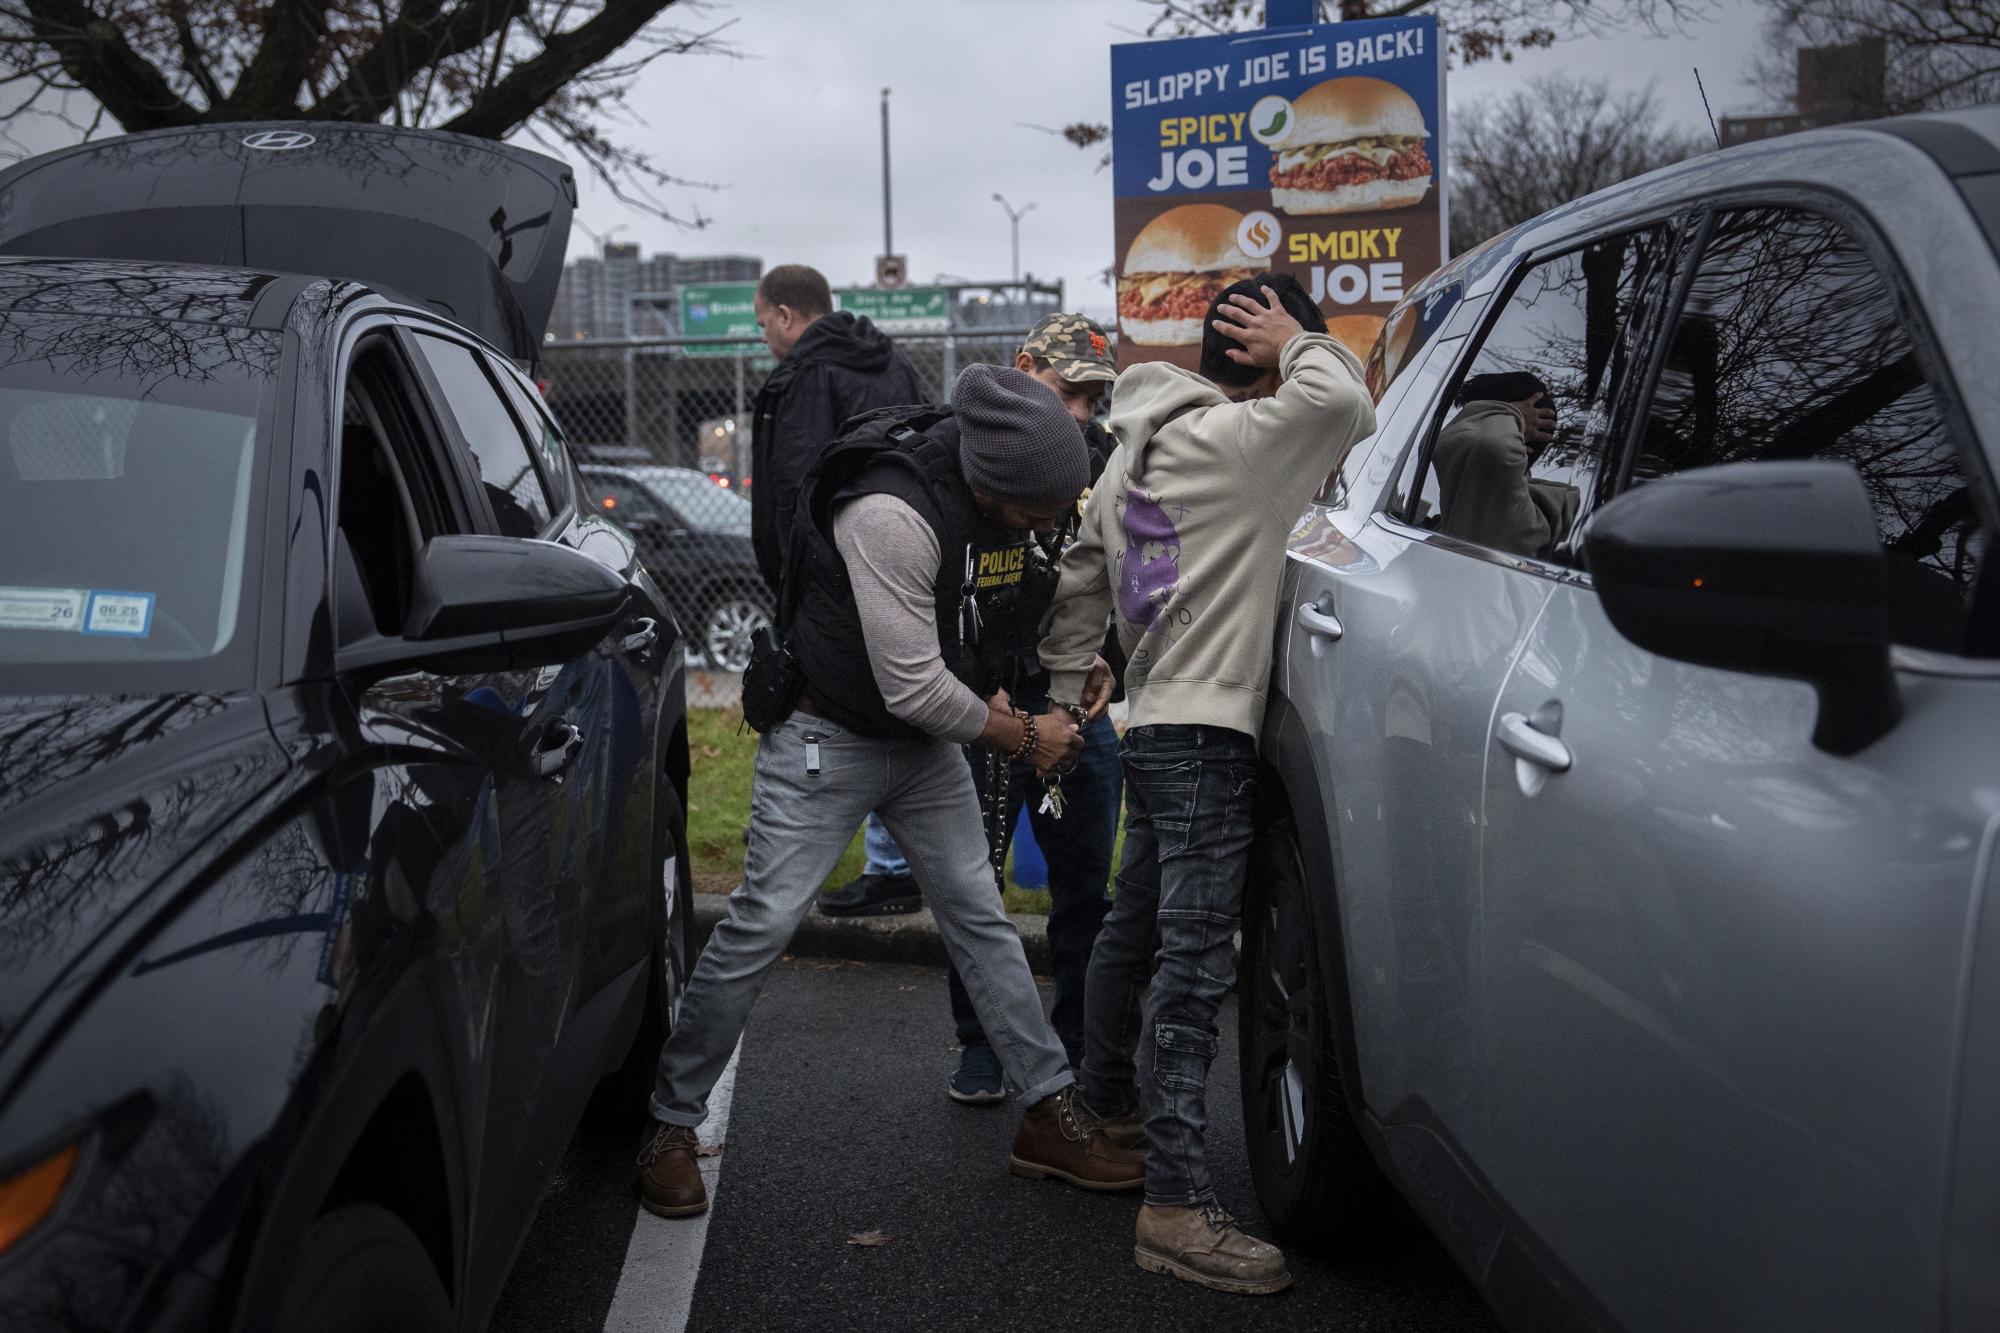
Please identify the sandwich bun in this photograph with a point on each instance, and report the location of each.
(1360, 197)
(1193, 238)
(1162, 332)
(1354, 107)
(1357, 333)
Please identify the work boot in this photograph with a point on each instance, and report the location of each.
(669, 1178)
(1058, 1137)
(1202, 1244)
(1124, 1130)
(872, 895)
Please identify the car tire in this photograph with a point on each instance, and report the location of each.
(671, 960)
(728, 619)
(1315, 1178)
(360, 1269)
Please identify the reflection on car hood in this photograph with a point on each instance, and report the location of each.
(99, 797)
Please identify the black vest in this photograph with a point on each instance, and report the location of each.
(912, 454)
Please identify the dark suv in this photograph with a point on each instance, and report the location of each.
(695, 537)
(342, 741)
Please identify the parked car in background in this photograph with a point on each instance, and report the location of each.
(695, 537)
(1630, 899)
(343, 750)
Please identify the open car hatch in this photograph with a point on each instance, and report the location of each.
(473, 229)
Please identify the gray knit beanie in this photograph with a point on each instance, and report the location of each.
(1016, 439)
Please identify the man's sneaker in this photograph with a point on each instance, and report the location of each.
(872, 895)
(1059, 1138)
(1202, 1244)
(669, 1178)
(977, 1081)
(1125, 1129)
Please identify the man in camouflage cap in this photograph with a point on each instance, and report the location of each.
(1071, 355)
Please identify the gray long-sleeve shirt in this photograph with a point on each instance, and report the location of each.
(892, 564)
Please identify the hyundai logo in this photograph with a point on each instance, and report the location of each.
(277, 141)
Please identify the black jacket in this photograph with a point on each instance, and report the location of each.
(841, 367)
(825, 633)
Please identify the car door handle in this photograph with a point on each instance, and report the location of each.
(1518, 737)
(640, 636)
(559, 744)
(1320, 622)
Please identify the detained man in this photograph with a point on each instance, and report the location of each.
(1184, 536)
(879, 725)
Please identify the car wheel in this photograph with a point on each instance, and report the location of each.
(671, 961)
(726, 628)
(361, 1269)
(1314, 1175)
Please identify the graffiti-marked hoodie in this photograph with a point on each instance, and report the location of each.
(1184, 534)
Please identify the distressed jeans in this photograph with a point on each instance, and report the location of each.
(1190, 797)
(800, 823)
(1078, 849)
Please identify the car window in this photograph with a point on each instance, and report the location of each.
(500, 451)
(1514, 458)
(706, 506)
(131, 515)
(542, 429)
(618, 499)
(1790, 344)
(391, 495)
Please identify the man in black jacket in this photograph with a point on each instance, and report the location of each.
(830, 367)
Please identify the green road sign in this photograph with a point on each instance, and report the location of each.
(903, 307)
(721, 310)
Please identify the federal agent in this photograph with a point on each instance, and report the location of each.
(890, 523)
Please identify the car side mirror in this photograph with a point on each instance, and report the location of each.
(1770, 568)
(486, 603)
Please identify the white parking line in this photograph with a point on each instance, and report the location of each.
(656, 1289)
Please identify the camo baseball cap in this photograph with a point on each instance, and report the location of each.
(1075, 346)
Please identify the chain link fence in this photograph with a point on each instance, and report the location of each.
(661, 428)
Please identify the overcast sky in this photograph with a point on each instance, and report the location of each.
(792, 129)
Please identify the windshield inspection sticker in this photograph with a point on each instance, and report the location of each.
(42, 608)
(124, 613)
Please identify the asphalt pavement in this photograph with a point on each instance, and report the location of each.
(839, 1126)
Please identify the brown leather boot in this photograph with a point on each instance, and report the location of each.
(1125, 1130)
(1202, 1244)
(669, 1177)
(1058, 1137)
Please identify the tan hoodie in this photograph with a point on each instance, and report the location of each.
(1184, 534)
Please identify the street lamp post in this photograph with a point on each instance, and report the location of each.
(1014, 219)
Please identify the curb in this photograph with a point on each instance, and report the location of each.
(903, 937)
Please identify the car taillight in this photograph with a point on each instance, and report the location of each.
(29, 1196)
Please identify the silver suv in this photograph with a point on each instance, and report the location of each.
(1628, 897)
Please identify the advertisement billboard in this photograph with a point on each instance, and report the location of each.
(1316, 151)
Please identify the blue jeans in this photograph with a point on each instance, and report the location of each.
(1078, 847)
(884, 856)
(800, 822)
(1190, 798)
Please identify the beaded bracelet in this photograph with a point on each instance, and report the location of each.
(1029, 741)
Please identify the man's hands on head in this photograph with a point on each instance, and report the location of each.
(1263, 329)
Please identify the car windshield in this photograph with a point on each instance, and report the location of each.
(129, 459)
(695, 498)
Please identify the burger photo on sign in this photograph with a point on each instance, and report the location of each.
(1175, 268)
(1355, 144)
